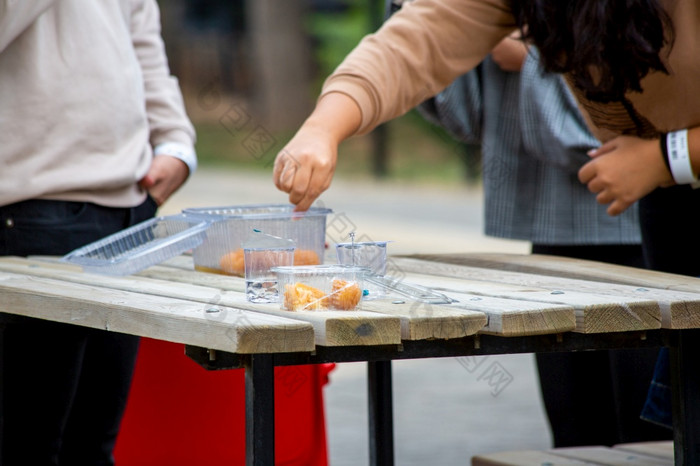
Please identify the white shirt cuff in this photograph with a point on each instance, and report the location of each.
(179, 151)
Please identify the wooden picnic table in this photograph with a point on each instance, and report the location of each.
(505, 303)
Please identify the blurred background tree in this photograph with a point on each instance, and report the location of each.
(251, 70)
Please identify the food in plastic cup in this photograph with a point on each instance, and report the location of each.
(369, 254)
(320, 287)
(262, 252)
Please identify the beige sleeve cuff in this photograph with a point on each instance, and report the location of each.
(358, 91)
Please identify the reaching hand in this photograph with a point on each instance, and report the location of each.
(624, 170)
(165, 176)
(305, 167)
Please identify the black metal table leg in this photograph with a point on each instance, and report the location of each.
(381, 424)
(685, 382)
(260, 410)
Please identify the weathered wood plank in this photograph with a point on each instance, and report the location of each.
(418, 322)
(509, 317)
(677, 294)
(574, 456)
(661, 449)
(524, 458)
(423, 321)
(170, 319)
(566, 267)
(331, 328)
(609, 456)
(679, 309)
(594, 313)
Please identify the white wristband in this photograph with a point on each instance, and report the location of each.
(679, 157)
(179, 151)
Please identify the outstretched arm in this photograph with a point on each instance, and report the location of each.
(414, 55)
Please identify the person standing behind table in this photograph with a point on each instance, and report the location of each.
(629, 65)
(628, 69)
(534, 140)
(94, 137)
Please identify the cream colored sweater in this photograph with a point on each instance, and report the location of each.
(85, 94)
(429, 43)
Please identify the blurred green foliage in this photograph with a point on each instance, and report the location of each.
(417, 150)
(335, 34)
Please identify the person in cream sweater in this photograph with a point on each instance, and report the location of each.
(93, 137)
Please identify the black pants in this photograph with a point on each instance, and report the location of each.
(669, 238)
(669, 230)
(63, 388)
(596, 397)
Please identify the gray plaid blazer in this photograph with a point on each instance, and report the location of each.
(533, 141)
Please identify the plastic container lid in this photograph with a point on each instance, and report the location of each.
(252, 211)
(259, 240)
(141, 246)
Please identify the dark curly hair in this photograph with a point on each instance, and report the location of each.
(607, 46)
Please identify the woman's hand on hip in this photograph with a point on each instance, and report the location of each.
(623, 170)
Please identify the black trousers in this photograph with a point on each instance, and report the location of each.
(669, 230)
(596, 397)
(63, 388)
(669, 238)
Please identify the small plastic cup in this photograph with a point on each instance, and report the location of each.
(369, 254)
(320, 287)
(262, 252)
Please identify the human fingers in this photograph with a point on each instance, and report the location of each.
(605, 196)
(603, 149)
(595, 185)
(587, 172)
(617, 207)
(298, 192)
(147, 181)
(310, 184)
(283, 171)
(164, 177)
(286, 167)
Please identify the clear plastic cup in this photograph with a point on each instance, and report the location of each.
(320, 287)
(262, 252)
(370, 255)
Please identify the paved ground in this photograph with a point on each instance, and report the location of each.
(446, 410)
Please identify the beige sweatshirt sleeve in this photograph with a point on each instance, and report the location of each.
(168, 121)
(418, 52)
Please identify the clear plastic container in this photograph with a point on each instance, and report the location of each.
(370, 254)
(141, 246)
(320, 287)
(262, 252)
(221, 252)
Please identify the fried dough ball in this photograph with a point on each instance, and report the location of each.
(345, 295)
(233, 263)
(306, 257)
(300, 297)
